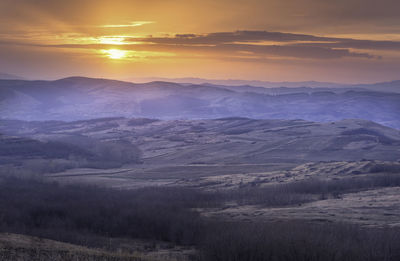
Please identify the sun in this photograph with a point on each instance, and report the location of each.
(115, 53)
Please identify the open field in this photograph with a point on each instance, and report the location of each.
(372, 208)
(168, 175)
(186, 142)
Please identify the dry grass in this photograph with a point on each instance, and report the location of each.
(26, 248)
(372, 208)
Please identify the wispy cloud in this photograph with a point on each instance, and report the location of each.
(248, 45)
(277, 38)
(270, 44)
(131, 24)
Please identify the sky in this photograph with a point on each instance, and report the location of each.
(347, 41)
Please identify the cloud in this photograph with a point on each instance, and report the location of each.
(131, 24)
(261, 45)
(271, 43)
(356, 44)
(278, 37)
(366, 15)
(237, 36)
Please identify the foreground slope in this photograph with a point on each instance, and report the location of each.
(14, 247)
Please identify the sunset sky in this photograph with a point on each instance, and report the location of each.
(274, 40)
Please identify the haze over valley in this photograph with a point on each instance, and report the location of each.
(79, 98)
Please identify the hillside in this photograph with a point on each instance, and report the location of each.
(59, 152)
(225, 140)
(79, 98)
(15, 247)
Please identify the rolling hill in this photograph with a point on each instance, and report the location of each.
(79, 98)
(225, 140)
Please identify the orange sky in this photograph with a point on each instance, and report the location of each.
(275, 40)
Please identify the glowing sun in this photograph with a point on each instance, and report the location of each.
(115, 53)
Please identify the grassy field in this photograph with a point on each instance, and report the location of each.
(371, 208)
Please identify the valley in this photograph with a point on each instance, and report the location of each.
(160, 186)
(359, 159)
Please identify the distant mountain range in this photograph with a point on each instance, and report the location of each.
(231, 82)
(6, 76)
(79, 98)
(392, 86)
